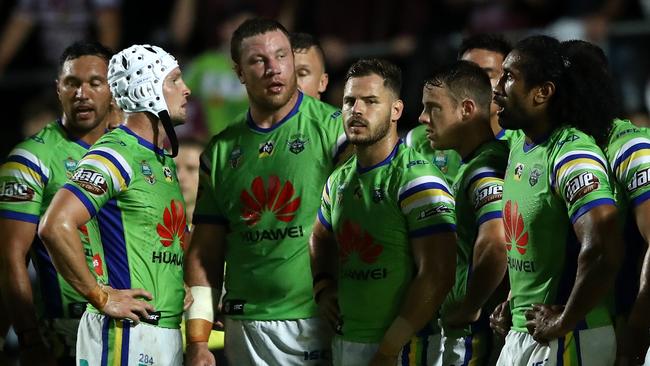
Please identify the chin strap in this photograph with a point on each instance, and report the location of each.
(169, 130)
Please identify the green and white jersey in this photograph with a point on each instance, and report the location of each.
(478, 190)
(374, 212)
(143, 227)
(30, 176)
(448, 161)
(628, 153)
(547, 187)
(265, 185)
(508, 135)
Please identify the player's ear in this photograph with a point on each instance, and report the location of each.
(544, 92)
(322, 83)
(396, 109)
(467, 108)
(239, 73)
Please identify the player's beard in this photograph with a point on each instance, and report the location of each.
(275, 102)
(374, 133)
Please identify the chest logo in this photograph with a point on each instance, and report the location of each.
(519, 171)
(352, 238)
(149, 177)
(377, 195)
(277, 198)
(167, 172)
(266, 149)
(535, 173)
(173, 226)
(514, 228)
(235, 157)
(297, 144)
(70, 165)
(441, 161)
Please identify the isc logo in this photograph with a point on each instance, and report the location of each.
(640, 179)
(323, 354)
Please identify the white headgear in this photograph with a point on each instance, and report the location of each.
(136, 75)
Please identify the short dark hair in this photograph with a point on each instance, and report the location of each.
(249, 28)
(84, 48)
(305, 41)
(491, 42)
(464, 79)
(391, 74)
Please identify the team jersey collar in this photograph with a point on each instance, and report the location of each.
(386, 161)
(294, 110)
(69, 136)
(527, 147)
(476, 151)
(500, 135)
(142, 141)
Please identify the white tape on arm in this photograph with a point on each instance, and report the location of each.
(204, 302)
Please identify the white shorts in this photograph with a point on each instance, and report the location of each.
(103, 341)
(469, 350)
(277, 342)
(589, 347)
(422, 350)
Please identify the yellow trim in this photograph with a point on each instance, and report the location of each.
(574, 162)
(625, 163)
(110, 166)
(431, 192)
(117, 346)
(24, 169)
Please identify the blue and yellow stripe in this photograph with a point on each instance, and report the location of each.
(574, 161)
(632, 154)
(115, 342)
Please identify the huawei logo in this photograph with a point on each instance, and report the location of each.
(173, 226)
(514, 227)
(352, 239)
(277, 198)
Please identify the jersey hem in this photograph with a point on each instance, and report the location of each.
(19, 216)
(587, 207)
(82, 197)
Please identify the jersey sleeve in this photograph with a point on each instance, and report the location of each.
(325, 209)
(339, 144)
(631, 165)
(485, 190)
(426, 202)
(23, 178)
(207, 209)
(100, 175)
(580, 177)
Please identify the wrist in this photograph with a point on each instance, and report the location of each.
(397, 335)
(322, 283)
(198, 331)
(565, 323)
(97, 297)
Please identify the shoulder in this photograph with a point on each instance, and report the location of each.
(44, 142)
(318, 112)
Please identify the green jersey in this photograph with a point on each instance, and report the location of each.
(374, 212)
(478, 190)
(221, 94)
(628, 153)
(508, 135)
(265, 185)
(448, 161)
(142, 232)
(32, 173)
(547, 187)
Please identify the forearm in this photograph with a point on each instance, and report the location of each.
(14, 34)
(17, 294)
(639, 314)
(423, 298)
(594, 278)
(489, 267)
(323, 253)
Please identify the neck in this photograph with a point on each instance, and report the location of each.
(494, 124)
(478, 133)
(89, 137)
(266, 118)
(146, 126)
(189, 211)
(369, 155)
(538, 129)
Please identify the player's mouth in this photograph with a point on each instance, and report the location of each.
(500, 103)
(430, 134)
(83, 111)
(275, 87)
(356, 124)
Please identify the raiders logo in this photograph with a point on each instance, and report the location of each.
(579, 186)
(91, 181)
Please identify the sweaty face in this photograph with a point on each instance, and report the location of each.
(512, 96)
(187, 168)
(84, 93)
(441, 115)
(367, 108)
(266, 68)
(491, 63)
(310, 72)
(176, 92)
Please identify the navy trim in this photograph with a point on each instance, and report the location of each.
(560, 352)
(209, 219)
(114, 242)
(105, 330)
(294, 110)
(527, 147)
(588, 206)
(21, 160)
(640, 199)
(82, 197)
(142, 141)
(126, 330)
(574, 157)
(323, 221)
(387, 160)
(77, 141)
(500, 134)
(114, 161)
(405, 353)
(576, 337)
(421, 187)
(49, 281)
(634, 148)
(490, 216)
(468, 350)
(19, 216)
(435, 229)
(492, 174)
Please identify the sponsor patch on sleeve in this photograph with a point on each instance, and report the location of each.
(580, 186)
(90, 180)
(487, 194)
(15, 192)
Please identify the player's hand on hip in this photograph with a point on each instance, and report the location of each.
(127, 304)
(198, 354)
(544, 322)
(501, 319)
(328, 304)
(188, 299)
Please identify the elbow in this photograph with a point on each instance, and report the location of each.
(49, 228)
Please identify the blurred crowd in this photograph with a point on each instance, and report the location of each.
(416, 34)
